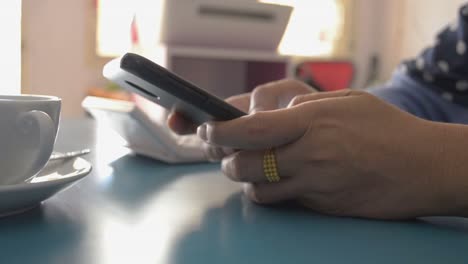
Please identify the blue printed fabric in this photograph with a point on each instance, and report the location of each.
(443, 67)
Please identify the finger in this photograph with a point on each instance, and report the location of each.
(265, 97)
(261, 130)
(299, 99)
(215, 153)
(268, 193)
(275, 95)
(181, 125)
(322, 203)
(247, 166)
(241, 101)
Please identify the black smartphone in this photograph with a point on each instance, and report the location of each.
(142, 76)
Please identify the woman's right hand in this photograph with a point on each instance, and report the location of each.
(266, 97)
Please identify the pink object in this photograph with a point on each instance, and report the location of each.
(134, 32)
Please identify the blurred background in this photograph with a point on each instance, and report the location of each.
(58, 47)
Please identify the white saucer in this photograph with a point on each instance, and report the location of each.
(56, 176)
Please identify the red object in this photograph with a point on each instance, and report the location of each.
(329, 75)
(134, 32)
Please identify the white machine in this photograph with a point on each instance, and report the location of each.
(236, 24)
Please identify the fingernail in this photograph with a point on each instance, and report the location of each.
(201, 132)
(246, 187)
(224, 165)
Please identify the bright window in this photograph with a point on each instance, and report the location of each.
(116, 25)
(10, 46)
(315, 27)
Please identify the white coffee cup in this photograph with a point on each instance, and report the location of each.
(28, 128)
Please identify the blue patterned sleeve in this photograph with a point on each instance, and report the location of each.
(434, 85)
(412, 97)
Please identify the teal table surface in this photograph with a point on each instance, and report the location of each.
(132, 209)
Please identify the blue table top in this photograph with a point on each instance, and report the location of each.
(132, 209)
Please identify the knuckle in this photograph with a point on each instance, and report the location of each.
(348, 92)
(258, 195)
(207, 150)
(289, 81)
(234, 168)
(298, 99)
(238, 173)
(254, 118)
(353, 92)
(212, 134)
(261, 89)
(213, 153)
(284, 83)
(299, 86)
(326, 205)
(334, 210)
(255, 122)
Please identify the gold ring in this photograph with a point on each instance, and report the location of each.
(270, 166)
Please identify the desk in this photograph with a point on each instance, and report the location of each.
(135, 210)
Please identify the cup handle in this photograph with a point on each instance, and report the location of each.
(47, 134)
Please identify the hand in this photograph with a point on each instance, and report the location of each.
(343, 153)
(270, 96)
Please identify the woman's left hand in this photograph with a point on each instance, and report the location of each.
(344, 153)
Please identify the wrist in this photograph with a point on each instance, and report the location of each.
(448, 172)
